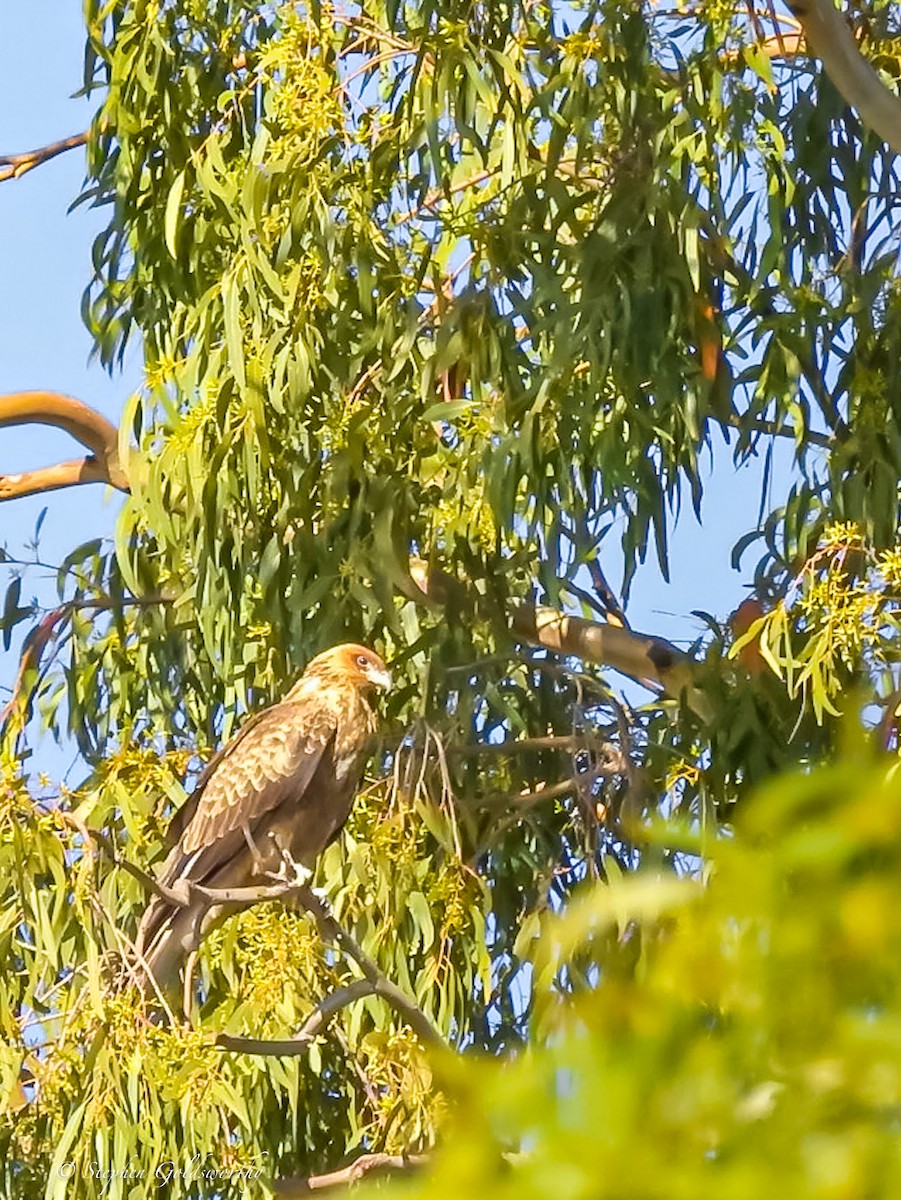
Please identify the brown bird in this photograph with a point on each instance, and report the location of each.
(271, 799)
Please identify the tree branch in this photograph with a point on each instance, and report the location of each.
(364, 1165)
(308, 1032)
(830, 38)
(78, 420)
(381, 984)
(14, 166)
(650, 660)
(378, 983)
(49, 479)
(561, 741)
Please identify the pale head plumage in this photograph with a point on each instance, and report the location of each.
(349, 662)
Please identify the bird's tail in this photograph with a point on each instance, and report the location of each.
(159, 946)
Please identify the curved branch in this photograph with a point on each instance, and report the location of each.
(84, 424)
(308, 1032)
(381, 984)
(829, 36)
(14, 166)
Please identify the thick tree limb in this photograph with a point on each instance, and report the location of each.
(649, 660)
(78, 420)
(830, 38)
(365, 1165)
(50, 479)
(14, 166)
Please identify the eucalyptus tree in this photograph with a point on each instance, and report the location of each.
(441, 307)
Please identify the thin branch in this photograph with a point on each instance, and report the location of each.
(442, 193)
(378, 982)
(78, 420)
(14, 166)
(94, 838)
(382, 985)
(831, 39)
(525, 800)
(826, 440)
(562, 741)
(308, 1032)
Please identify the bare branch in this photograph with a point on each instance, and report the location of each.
(308, 1032)
(49, 479)
(306, 898)
(831, 39)
(78, 420)
(366, 1164)
(94, 838)
(14, 166)
(381, 984)
(647, 659)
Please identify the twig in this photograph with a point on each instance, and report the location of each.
(561, 741)
(441, 193)
(826, 440)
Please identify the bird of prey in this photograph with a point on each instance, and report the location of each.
(271, 799)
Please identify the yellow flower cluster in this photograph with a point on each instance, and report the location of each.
(301, 102)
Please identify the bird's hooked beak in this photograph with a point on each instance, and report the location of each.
(379, 677)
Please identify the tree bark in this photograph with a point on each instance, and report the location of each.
(830, 38)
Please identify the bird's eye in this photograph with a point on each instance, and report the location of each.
(362, 660)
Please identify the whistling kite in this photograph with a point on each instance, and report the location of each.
(278, 792)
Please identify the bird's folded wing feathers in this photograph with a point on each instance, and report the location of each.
(185, 814)
(275, 753)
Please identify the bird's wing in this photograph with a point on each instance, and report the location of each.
(272, 758)
(185, 814)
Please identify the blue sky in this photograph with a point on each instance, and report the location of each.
(45, 265)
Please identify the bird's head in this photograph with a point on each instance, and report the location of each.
(356, 664)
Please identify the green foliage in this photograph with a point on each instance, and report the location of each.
(470, 289)
(749, 1048)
